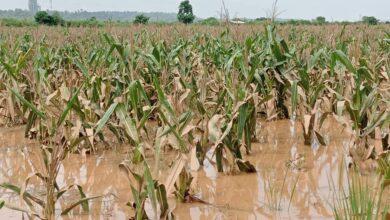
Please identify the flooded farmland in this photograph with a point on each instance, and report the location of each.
(241, 122)
(292, 181)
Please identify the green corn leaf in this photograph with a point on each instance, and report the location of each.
(83, 69)
(128, 123)
(27, 197)
(84, 204)
(162, 98)
(340, 56)
(314, 59)
(162, 199)
(67, 108)
(103, 121)
(22, 60)
(294, 97)
(10, 69)
(242, 119)
(27, 103)
(150, 187)
(80, 202)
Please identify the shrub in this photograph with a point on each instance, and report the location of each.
(141, 19)
(210, 21)
(42, 17)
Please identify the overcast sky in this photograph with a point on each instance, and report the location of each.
(305, 9)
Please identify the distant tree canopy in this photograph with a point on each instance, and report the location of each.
(370, 20)
(261, 19)
(185, 14)
(210, 21)
(320, 20)
(42, 17)
(141, 19)
(82, 15)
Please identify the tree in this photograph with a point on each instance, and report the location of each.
(321, 20)
(57, 19)
(370, 20)
(141, 19)
(185, 14)
(42, 17)
(261, 19)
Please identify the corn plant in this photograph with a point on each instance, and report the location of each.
(12, 63)
(363, 103)
(307, 94)
(52, 158)
(147, 191)
(182, 186)
(199, 96)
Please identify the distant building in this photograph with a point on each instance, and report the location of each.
(33, 6)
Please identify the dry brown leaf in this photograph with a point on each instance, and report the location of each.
(368, 152)
(50, 97)
(384, 73)
(172, 141)
(214, 128)
(65, 93)
(89, 132)
(306, 120)
(343, 121)
(184, 96)
(340, 107)
(11, 107)
(358, 161)
(175, 172)
(103, 91)
(75, 130)
(302, 94)
(378, 147)
(326, 104)
(378, 134)
(187, 129)
(194, 162)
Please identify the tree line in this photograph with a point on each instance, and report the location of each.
(185, 15)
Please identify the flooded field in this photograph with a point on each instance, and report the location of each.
(293, 181)
(275, 124)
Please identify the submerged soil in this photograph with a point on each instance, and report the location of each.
(293, 181)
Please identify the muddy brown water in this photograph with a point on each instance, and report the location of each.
(292, 180)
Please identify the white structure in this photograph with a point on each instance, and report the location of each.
(237, 22)
(33, 6)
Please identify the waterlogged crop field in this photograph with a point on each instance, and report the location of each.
(195, 122)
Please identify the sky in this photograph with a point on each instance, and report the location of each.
(332, 10)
